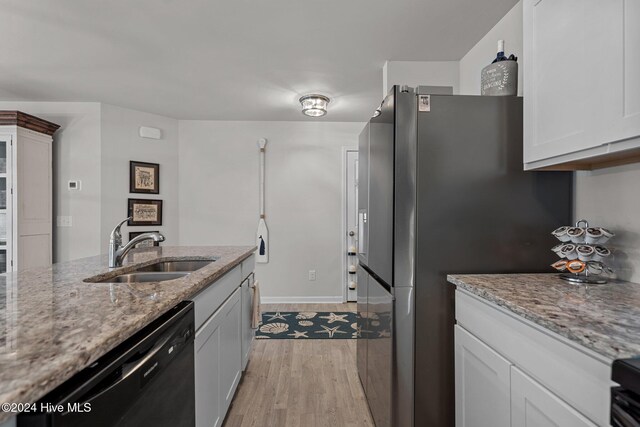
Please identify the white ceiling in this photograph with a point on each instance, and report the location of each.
(227, 60)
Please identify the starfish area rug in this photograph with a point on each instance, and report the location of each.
(307, 325)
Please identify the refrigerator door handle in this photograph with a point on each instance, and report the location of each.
(362, 232)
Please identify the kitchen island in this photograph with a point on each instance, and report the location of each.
(537, 350)
(53, 323)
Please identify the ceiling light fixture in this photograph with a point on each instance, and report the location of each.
(314, 105)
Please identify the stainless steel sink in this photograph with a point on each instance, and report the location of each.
(175, 266)
(157, 272)
(144, 277)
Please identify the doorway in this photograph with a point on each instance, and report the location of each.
(350, 229)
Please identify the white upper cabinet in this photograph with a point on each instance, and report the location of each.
(581, 83)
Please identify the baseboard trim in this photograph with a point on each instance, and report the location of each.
(301, 300)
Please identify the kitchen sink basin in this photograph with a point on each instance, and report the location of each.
(175, 266)
(157, 272)
(142, 277)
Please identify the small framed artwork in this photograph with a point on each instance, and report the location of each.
(146, 243)
(144, 177)
(145, 212)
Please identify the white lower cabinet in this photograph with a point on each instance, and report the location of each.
(482, 383)
(532, 405)
(512, 372)
(230, 349)
(218, 362)
(208, 407)
(223, 342)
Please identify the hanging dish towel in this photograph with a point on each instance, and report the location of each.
(256, 314)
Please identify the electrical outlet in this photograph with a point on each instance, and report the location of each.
(64, 221)
(312, 275)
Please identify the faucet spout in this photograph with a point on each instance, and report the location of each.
(117, 251)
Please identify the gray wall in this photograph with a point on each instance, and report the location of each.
(120, 144)
(219, 198)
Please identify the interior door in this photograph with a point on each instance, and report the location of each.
(379, 351)
(350, 281)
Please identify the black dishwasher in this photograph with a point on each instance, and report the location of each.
(146, 381)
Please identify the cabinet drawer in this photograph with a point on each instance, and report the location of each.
(575, 374)
(210, 298)
(248, 265)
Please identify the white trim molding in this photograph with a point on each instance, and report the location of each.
(302, 300)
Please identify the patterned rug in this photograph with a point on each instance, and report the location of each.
(307, 325)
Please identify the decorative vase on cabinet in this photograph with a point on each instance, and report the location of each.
(25, 191)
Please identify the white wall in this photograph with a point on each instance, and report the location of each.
(76, 157)
(416, 73)
(509, 29)
(611, 198)
(219, 197)
(120, 144)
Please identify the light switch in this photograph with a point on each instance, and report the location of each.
(312, 275)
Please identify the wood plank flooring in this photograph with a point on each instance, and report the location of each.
(295, 383)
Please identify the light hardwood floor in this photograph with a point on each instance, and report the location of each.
(295, 383)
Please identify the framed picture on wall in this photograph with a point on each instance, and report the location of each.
(146, 243)
(144, 177)
(145, 212)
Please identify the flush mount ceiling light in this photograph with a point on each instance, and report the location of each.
(314, 105)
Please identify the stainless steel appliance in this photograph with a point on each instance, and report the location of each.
(441, 190)
(146, 381)
(625, 399)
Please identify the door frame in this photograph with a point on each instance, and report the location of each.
(344, 281)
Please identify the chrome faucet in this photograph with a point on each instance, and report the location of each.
(117, 252)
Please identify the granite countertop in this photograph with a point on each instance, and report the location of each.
(603, 318)
(53, 325)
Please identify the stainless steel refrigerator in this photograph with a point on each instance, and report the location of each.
(441, 190)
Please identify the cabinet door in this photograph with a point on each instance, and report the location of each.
(624, 78)
(34, 190)
(207, 361)
(247, 331)
(230, 349)
(532, 405)
(6, 237)
(482, 383)
(569, 63)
